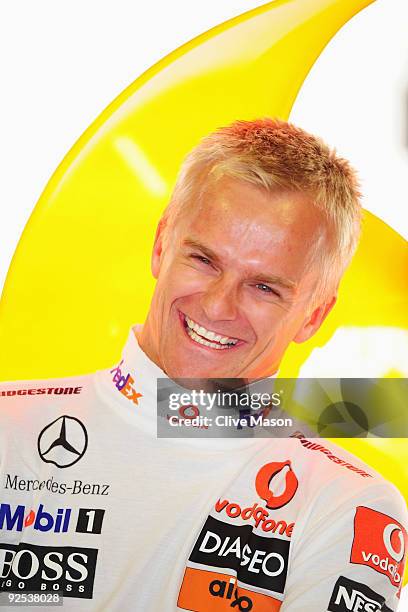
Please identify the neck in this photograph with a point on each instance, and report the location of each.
(144, 338)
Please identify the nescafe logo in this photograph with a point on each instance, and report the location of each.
(271, 476)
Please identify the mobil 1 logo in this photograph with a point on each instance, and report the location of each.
(89, 520)
(67, 570)
(22, 518)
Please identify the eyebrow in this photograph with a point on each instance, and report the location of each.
(265, 278)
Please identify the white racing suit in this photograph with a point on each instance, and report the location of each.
(95, 508)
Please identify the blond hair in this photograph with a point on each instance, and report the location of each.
(276, 155)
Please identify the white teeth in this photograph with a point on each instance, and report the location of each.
(195, 329)
(199, 340)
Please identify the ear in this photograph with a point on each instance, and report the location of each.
(158, 248)
(313, 322)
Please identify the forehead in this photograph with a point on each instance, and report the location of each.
(249, 226)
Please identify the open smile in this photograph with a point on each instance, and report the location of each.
(206, 337)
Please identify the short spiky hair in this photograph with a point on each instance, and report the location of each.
(278, 156)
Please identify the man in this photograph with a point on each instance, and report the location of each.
(248, 256)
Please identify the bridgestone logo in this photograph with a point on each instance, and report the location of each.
(67, 570)
(318, 447)
(42, 391)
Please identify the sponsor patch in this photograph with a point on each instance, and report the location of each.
(20, 518)
(379, 542)
(41, 391)
(63, 442)
(124, 384)
(74, 487)
(255, 560)
(271, 472)
(322, 449)
(67, 570)
(207, 590)
(351, 596)
(256, 514)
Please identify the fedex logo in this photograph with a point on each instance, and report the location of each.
(124, 384)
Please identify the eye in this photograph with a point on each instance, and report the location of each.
(266, 289)
(201, 258)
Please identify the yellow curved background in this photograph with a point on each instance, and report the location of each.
(80, 275)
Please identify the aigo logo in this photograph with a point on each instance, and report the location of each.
(229, 591)
(380, 543)
(204, 589)
(271, 473)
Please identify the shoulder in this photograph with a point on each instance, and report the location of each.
(22, 401)
(324, 476)
(330, 460)
(46, 390)
(338, 486)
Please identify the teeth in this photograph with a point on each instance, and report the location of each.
(200, 340)
(224, 340)
(204, 336)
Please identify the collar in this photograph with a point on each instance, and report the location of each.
(130, 387)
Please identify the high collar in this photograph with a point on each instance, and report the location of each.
(131, 388)
(132, 382)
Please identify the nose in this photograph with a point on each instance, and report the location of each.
(219, 301)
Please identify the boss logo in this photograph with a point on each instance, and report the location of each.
(63, 569)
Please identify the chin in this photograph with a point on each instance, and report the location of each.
(187, 369)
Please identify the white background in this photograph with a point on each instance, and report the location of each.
(63, 61)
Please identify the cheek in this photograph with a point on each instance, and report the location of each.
(273, 325)
(180, 281)
(265, 317)
(188, 281)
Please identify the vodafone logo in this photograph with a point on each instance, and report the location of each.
(189, 411)
(394, 541)
(380, 543)
(272, 477)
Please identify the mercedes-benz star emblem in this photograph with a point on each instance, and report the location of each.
(63, 442)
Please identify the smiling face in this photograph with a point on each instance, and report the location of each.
(234, 283)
